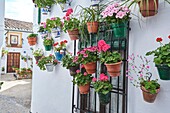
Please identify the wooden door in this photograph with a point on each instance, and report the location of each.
(13, 59)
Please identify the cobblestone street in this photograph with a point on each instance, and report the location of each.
(15, 95)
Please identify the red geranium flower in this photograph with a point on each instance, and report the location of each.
(55, 44)
(61, 42)
(159, 39)
(65, 41)
(169, 36)
(69, 11)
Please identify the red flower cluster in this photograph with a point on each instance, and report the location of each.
(55, 44)
(63, 42)
(67, 16)
(169, 36)
(159, 39)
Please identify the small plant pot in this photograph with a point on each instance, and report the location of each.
(55, 32)
(32, 40)
(59, 56)
(48, 47)
(74, 34)
(92, 27)
(119, 30)
(148, 97)
(49, 67)
(114, 69)
(84, 89)
(73, 70)
(45, 10)
(148, 7)
(164, 72)
(43, 34)
(90, 67)
(37, 58)
(104, 98)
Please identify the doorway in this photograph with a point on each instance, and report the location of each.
(13, 59)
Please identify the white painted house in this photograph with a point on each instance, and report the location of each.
(52, 92)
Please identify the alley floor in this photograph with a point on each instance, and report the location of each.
(15, 95)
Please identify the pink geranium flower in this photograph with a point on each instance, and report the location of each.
(103, 77)
(85, 74)
(94, 79)
(77, 71)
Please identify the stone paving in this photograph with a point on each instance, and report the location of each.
(17, 98)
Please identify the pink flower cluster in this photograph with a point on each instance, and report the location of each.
(68, 13)
(44, 24)
(48, 38)
(103, 77)
(90, 49)
(115, 10)
(53, 18)
(75, 59)
(102, 46)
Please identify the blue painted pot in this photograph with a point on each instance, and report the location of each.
(59, 56)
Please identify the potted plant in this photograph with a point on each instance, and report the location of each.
(64, 4)
(47, 62)
(24, 58)
(32, 39)
(54, 25)
(38, 54)
(3, 69)
(70, 62)
(117, 17)
(48, 43)
(103, 87)
(161, 59)
(42, 30)
(59, 49)
(4, 52)
(17, 70)
(91, 18)
(71, 25)
(150, 88)
(88, 57)
(83, 80)
(112, 60)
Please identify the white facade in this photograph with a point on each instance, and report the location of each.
(52, 92)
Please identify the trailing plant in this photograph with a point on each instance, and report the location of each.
(48, 41)
(102, 85)
(45, 60)
(139, 74)
(70, 22)
(60, 46)
(69, 61)
(54, 22)
(162, 53)
(106, 56)
(44, 3)
(82, 78)
(32, 35)
(38, 52)
(88, 55)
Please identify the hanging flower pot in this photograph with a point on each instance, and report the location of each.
(90, 67)
(37, 58)
(46, 10)
(92, 27)
(104, 98)
(84, 89)
(148, 7)
(55, 32)
(119, 29)
(147, 96)
(43, 34)
(48, 47)
(59, 55)
(32, 40)
(49, 67)
(73, 70)
(114, 69)
(73, 34)
(164, 72)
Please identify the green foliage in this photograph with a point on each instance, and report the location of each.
(68, 61)
(161, 54)
(110, 57)
(103, 87)
(71, 24)
(44, 3)
(38, 52)
(46, 60)
(3, 68)
(80, 79)
(61, 1)
(60, 46)
(53, 23)
(151, 86)
(1, 84)
(4, 52)
(32, 35)
(41, 29)
(48, 41)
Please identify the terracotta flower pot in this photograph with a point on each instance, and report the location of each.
(74, 34)
(148, 97)
(148, 7)
(114, 69)
(90, 67)
(73, 70)
(32, 40)
(92, 27)
(84, 89)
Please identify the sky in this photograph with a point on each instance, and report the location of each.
(19, 10)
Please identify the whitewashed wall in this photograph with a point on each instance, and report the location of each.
(52, 92)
